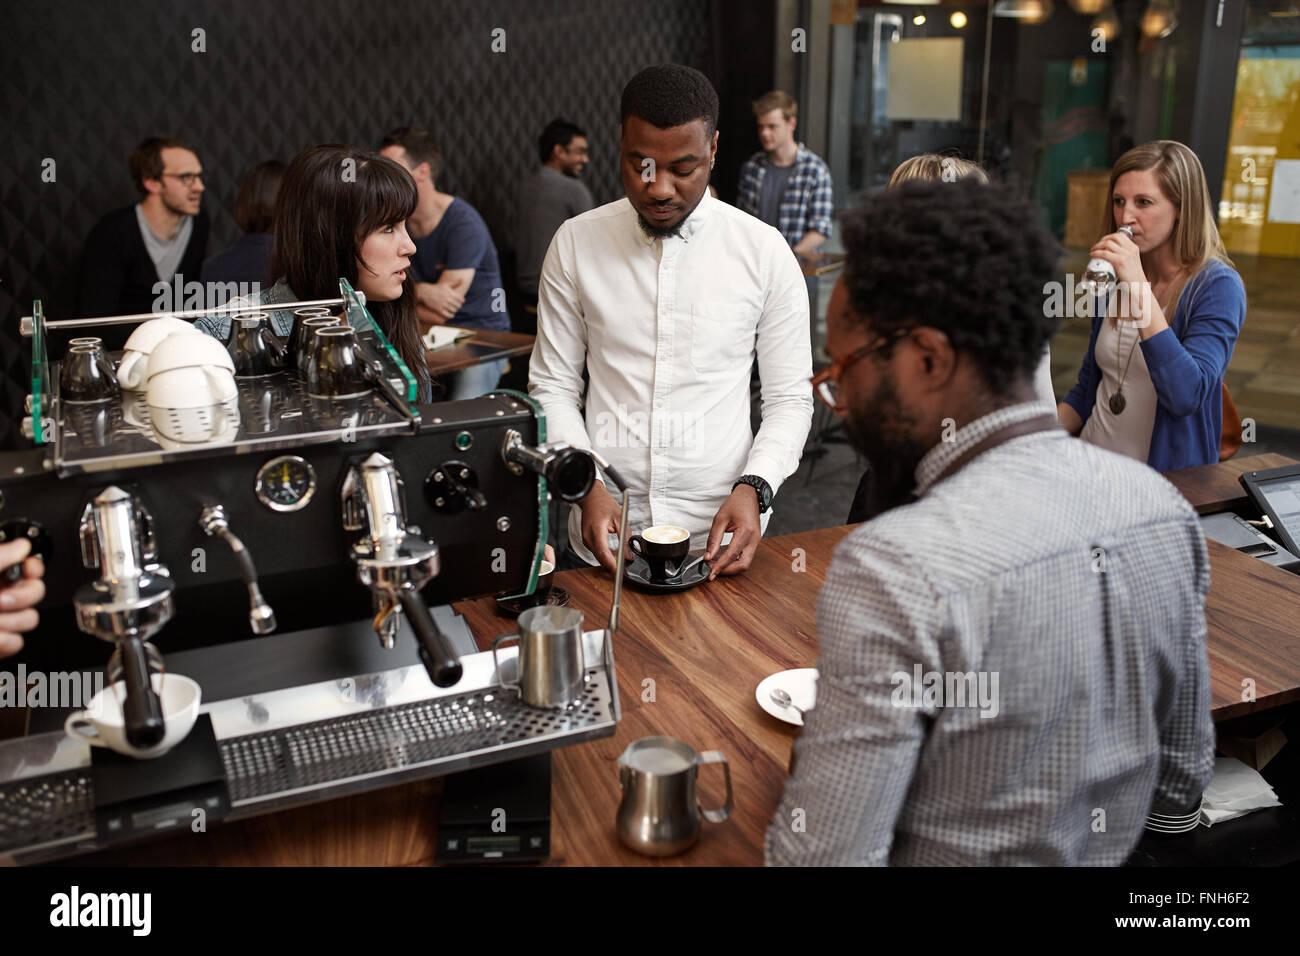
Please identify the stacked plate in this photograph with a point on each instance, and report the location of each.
(1171, 823)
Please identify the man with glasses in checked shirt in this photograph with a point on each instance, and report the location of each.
(132, 249)
(1067, 580)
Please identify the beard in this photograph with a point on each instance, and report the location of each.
(663, 232)
(882, 430)
(172, 207)
(660, 232)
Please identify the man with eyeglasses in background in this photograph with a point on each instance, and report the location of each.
(133, 248)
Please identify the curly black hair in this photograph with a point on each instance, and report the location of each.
(670, 95)
(968, 259)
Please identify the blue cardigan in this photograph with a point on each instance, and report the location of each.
(1186, 362)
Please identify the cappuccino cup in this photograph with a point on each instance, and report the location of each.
(101, 724)
(664, 548)
(543, 590)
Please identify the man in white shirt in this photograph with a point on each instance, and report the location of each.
(667, 296)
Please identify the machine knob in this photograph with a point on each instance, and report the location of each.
(452, 487)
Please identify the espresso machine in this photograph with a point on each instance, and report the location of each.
(297, 561)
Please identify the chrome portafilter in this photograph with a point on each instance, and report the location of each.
(128, 604)
(395, 562)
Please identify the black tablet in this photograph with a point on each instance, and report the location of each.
(1277, 492)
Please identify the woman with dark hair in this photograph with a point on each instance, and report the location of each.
(341, 213)
(248, 259)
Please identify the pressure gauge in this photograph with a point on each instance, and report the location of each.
(285, 483)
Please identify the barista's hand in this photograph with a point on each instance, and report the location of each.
(438, 301)
(600, 514)
(548, 554)
(17, 600)
(739, 515)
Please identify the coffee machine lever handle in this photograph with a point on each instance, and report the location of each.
(436, 652)
(142, 710)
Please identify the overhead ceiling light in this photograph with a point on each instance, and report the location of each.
(1087, 7)
(1026, 11)
(1108, 24)
(919, 19)
(1159, 20)
(958, 19)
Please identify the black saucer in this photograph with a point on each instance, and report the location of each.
(513, 607)
(638, 574)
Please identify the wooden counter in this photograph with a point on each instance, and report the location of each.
(482, 346)
(687, 667)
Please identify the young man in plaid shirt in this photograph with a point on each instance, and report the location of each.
(786, 184)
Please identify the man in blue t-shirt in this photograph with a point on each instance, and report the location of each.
(455, 267)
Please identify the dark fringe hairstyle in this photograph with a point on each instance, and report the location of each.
(331, 199)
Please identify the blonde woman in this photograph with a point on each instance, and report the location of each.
(932, 166)
(1151, 382)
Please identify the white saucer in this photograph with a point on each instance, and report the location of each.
(800, 684)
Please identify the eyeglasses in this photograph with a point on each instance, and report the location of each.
(826, 383)
(187, 179)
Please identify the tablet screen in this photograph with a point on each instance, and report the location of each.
(1284, 498)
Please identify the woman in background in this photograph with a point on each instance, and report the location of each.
(341, 212)
(1151, 384)
(248, 259)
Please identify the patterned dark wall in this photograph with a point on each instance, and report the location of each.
(85, 80)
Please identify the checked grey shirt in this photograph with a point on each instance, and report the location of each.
(1013, 667)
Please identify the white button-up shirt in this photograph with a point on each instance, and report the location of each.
(669, 329)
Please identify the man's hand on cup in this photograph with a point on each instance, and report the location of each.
(18, 600)
(739, 515)
(600, 516)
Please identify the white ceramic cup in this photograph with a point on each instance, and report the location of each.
(188, 350)
(193, 387)
(101, 723)
(147, 336)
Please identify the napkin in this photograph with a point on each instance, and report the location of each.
(439, 336)
(1235, 790)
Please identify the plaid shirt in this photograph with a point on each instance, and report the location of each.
(808, 202)
(1075, 577)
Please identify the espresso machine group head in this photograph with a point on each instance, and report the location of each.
(128, 604)
(395, 561)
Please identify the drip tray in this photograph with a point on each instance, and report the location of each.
(314, 742)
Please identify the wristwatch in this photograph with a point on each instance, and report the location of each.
(763, 489)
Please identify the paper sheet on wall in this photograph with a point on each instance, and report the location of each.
(925, 79)
(1284, 194)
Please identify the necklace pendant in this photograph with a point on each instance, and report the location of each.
(1118, 403)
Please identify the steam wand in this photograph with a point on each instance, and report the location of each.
(621, 485)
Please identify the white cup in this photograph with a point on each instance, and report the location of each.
(192, 387)
(188, 350)
(101, 723)
(147, 336)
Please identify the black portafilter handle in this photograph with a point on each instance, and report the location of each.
(569, 472)
(436, 652)
(142, 711)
